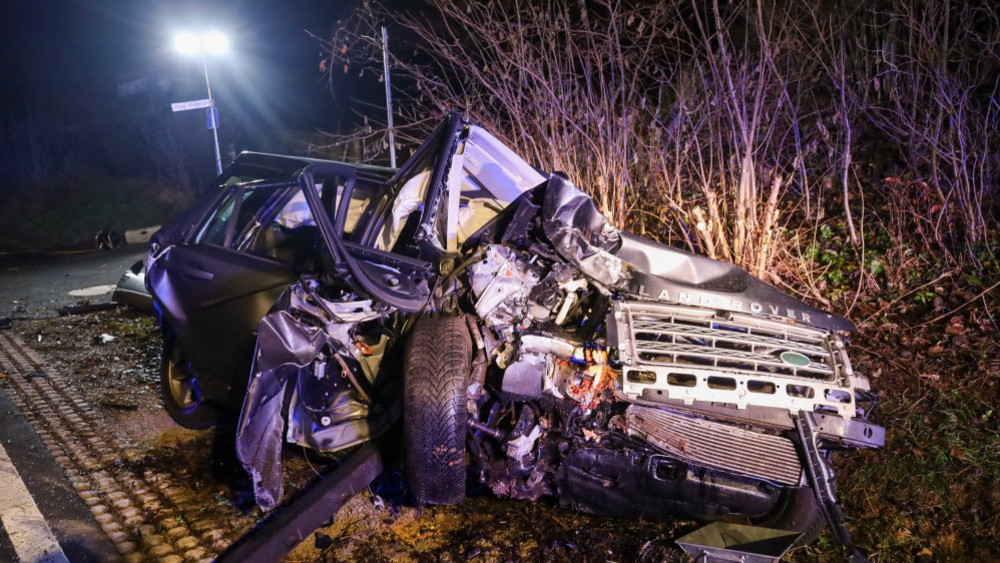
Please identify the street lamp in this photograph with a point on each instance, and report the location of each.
(205, 44)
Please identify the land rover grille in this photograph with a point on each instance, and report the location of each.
(695, 354)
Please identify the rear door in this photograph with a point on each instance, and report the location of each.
(214, 289)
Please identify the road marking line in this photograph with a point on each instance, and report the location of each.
(28, 532)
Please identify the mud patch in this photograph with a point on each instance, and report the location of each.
(487, 529)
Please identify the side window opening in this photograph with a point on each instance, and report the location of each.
(292, 235)
(399, 226)
(363, 196)
(214, 230)
(237, 213)
(476, 207)
(485, 177)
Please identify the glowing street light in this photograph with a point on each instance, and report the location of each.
(211, 43)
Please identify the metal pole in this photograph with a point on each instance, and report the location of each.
(211, 111)
(388, 97)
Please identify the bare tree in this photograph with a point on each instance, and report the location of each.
(722, 126)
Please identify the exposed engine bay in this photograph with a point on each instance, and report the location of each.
(608, 400)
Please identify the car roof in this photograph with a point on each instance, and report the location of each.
(291, 164)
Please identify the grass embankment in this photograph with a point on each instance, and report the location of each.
(76, 210)
(928, 343)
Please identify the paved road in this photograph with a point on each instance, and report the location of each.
(41, 516)
(36, 285)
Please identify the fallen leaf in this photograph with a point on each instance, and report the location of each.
(931, 376)
(958, 453)
(936, 351)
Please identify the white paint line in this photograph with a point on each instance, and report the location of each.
(29, 533)
(92, 291)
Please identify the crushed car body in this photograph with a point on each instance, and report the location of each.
(518, 334)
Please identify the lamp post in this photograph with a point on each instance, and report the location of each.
(205, 44)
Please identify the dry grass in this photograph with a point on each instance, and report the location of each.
(725, 128)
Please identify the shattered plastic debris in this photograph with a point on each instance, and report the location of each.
(520, 447)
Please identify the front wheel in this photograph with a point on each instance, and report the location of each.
(435, 415)
(181, 390)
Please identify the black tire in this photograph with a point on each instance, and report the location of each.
(797, 511)
(435, 415)
(181, 392)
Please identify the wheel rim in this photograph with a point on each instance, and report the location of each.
(183, 384)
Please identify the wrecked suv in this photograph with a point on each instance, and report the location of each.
(521, 338)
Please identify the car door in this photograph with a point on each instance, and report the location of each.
(213, 289)
(393, 259)
(389, 277)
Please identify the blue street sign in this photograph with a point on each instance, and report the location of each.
(212, 118)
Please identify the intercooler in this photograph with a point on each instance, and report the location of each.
(716, 445)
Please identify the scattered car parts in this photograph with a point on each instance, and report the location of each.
(131, 288)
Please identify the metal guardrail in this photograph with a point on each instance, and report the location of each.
(282, 530)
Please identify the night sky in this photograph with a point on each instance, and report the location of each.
(66, 58)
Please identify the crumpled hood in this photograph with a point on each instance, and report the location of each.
(642, 269)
